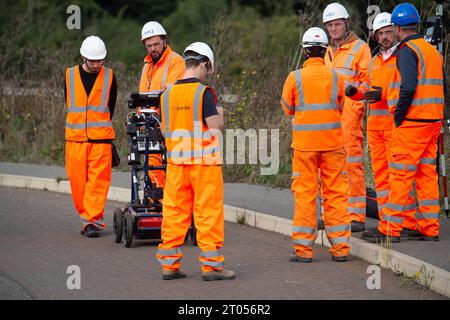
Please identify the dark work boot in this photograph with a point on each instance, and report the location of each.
(339, 259)
(296, 258)
(358, 226)
(416, 235)
(173, 274)
(375, 236)
(90, 231)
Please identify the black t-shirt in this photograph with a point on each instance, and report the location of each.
(88, 80)
(209, 99)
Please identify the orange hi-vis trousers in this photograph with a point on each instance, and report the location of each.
(88, 166)
(305, 165)
(379, 145)
(196, 189)
(414, 151)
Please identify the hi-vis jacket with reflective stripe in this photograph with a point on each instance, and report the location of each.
(428, 101)
(351, 60)
(165, 72)
(88, 118)
(315, 96)
(188, 140)
(381, 73)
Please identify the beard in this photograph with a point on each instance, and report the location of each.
(157, 56)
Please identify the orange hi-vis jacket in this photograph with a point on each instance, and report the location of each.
(165, 72)
(428, 101)
(188, 140)
(351, 61)
(315, 96)
(381, 74)
(88, 117)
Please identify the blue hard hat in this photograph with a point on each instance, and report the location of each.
(404, 14)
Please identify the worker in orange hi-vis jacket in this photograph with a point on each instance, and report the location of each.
(162, 68)
(315, 95)
(416, 99)
(90, 91)
(349, 56)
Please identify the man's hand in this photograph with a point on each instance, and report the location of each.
(350, 91)
(373, 95)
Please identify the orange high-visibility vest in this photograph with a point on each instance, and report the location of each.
(316, 95)
(428, 101)
(166, 71)
(381, 74)
(88, 118)
(188, 140)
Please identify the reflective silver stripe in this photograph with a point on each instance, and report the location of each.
(402, 166)
(392, 219)
(286, 105)
(214, 264)
(346, 72)
(394, 206)
(428, 215)
(295, 174)
(97, 223)
(99, 124)
(197, 117)
(211, 254)
(298, 83)
(356, 199)
(429, 203)
(392, 102)
(168, 261)
(303, 242)
(382, 193)
(189, 153)
(166, 108)
(394, 85)
(381, 207)
(379, 112)
(316, 107)
(72, 85)
(75, 126)
(339, 228)
(316, 127)
(357, 210)
(338, 240)
(422, 64)
(357, 159)
(169, 252)
(431, 81)
(308, 230)
(334, 89)
(107, 75)
(102, 109)
(420, 102)
(372, 62)
(427, 161)
(409, 207)
(181, 133)
(166, 70)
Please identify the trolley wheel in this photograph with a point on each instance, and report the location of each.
(193, 233)
(118, 225)
(127, 238)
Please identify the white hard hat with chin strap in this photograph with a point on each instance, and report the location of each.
(315, 37)
(203, 50)
(93, 48)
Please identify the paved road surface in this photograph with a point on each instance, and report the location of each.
(39, 239)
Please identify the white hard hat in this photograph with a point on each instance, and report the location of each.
(93, 48)
(151, 29)
(202, 49)
(334, 11)
(381, 20)
(314, 37)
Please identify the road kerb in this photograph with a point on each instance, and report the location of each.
(428, 275)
